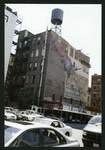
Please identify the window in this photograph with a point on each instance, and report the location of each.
(24, 55)
(53, 97)
(81, 80)
(39, 40)
(6, 18)
(94, 80)
(94, 96)
(85, 70)
(94, 88)
(60, 98)
(37, 52)
(43, 51)
(33, 79)
(39, 77)
(32, 53)
(61, 124)
(35, 65)
(30, 138)
(41, 64)
(73, 64)
(27, 79)
(98, 80)
(30, 66)
(55, 124)
(52, 138)
(93, 104)
(9, 132)
(76, 55)
(25, 42)
(71, 52)
(20, 45)
(34, 39)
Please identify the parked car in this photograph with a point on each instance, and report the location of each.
(56, 124)
(27, 116)
(19, 115)
(9, 115)
(9, 108)
(39, 135)
(92, 132)
(53, 116)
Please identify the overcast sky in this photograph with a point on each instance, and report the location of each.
(81, 26)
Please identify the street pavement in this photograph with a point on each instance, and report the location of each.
(77, 131)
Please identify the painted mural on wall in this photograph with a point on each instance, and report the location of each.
(73, 88)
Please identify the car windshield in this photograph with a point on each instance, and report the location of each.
(95, 120)
(9, 132)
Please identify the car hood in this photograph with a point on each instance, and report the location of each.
(71, 139)
(93, 128)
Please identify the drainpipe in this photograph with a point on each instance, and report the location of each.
(40, 85)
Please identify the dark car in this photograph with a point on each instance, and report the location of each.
(92, 132)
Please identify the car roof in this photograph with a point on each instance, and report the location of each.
(25, 125)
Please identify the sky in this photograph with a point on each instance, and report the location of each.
(81, 27)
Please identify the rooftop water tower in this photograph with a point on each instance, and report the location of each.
(56, 20)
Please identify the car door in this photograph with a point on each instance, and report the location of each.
(30, 138)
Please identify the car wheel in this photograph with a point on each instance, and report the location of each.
(24, 118)
(67, 133)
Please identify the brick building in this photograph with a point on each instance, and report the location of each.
(57, 73)
(96, 92)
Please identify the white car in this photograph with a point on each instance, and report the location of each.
(9, 115)
(29, 116)
(26, 116)
(92, 132)
(56, 124)
(9, 108)
(39, 135)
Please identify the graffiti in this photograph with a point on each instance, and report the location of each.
(76, 89)
(67, 61)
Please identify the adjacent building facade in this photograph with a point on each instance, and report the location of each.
(12, 27)
(96, 92)
(10, 24)
(55, 70)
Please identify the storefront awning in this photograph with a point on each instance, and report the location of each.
(51, 102)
